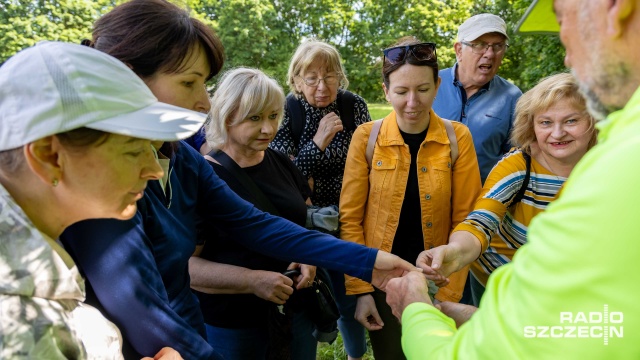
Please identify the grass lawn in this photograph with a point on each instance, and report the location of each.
(378, 111)
(336, 351)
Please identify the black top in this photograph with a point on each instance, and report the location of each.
(408, 242)
(278, 178)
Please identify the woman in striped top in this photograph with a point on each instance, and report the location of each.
(553, 128)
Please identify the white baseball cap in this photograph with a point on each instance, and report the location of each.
(481, 24)
(54, 87)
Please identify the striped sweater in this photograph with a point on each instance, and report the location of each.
(500, 227)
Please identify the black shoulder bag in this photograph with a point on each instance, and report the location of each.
(520, 195)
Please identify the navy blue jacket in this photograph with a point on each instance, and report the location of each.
(137, 270)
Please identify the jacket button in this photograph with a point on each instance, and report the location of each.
(430, 246)
(424, 169)
(379, 163)
(429, 224)
(449, 165)
(428, 197)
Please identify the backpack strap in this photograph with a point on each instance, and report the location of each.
(525, 182)
(453, 140)
(371, 143)
(346, 102)
(297, 117)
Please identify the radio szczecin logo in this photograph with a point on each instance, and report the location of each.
(596, 324)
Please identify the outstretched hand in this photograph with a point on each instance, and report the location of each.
(387, 267)
(402, 292)
(440, 262)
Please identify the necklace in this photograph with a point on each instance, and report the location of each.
(548, 166)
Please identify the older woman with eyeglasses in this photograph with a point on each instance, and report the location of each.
(319, 120)
(415, 187)
(330, 114)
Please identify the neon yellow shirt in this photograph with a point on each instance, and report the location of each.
(578, 270)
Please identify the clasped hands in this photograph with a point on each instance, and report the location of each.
(436, 264)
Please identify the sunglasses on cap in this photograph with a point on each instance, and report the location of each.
(421, 52)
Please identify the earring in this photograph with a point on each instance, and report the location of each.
(54, 182)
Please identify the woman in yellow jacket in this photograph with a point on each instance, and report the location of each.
(413, 194)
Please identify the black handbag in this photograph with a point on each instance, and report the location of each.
(319, 302)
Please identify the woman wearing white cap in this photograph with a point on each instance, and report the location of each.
(68, 153)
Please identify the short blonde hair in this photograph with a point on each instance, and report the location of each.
(312, 51)
(241, 92)
(545, 94)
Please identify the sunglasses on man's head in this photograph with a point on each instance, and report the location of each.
(421, 52)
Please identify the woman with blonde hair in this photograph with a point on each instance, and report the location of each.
(553, 131)
(247, 108)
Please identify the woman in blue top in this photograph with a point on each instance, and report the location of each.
(150, 299)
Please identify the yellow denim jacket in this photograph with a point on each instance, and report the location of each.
(371, 201)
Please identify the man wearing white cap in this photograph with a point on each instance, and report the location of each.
(75, 143)
(571, 292)
(473, 94)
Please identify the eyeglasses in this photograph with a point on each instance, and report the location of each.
(421, 52)
(315, 81)
(482, 47)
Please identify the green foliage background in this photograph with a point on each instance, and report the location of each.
(264, 33)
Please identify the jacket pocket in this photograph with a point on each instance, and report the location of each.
(442, 174)
(382, 170)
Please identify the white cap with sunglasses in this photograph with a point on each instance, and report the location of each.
(481, 24)
(55, 87)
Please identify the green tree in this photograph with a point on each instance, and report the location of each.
(23, 23)
(265, 33)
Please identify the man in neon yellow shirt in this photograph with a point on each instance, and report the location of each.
(571, 292)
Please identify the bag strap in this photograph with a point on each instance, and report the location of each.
(371, 143)
(527, 176)
(451, 134)
(346, 102)
(297, 117)
(453, 140)
(228, 163)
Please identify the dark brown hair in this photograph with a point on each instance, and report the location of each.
(155, 35)
(388, 68)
